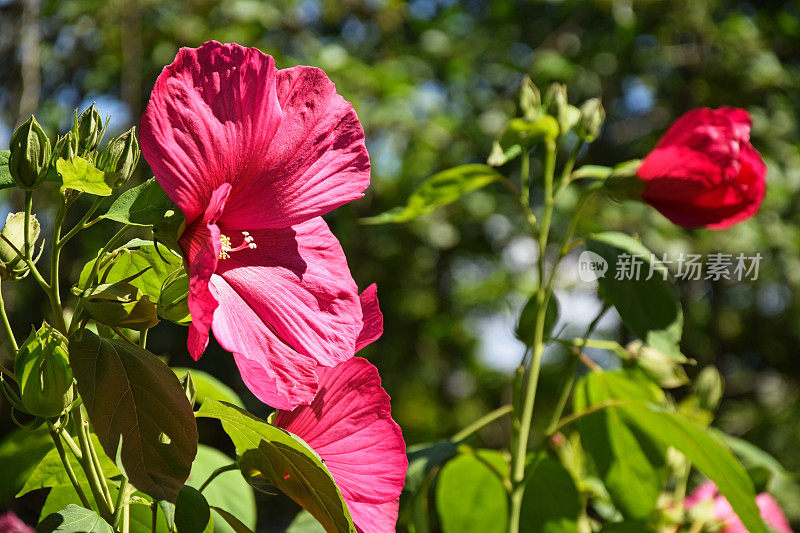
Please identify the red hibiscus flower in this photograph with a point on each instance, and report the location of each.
(253, 156)
(10, 523)
(349, 424)
(704, 172)
(723, 512)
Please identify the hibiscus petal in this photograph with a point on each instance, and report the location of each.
(375, 517)
(275, 373)
(298, 283)
(316, 162)
(373, 318)
(211, 117)
(349, 425)
(201, 245)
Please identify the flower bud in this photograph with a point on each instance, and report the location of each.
(89, 129)
(592, 117)
(530, 100)
(66, 148)
(12, 264)
(30, 155)
(43, 373)
(556, 104)
(120, 304)
(120, 156)
(663, 369)
(173, 300)
(708, 386)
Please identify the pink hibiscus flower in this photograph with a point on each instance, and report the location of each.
(253, 156)
(10, 523)
(349, 424)
(723, 512)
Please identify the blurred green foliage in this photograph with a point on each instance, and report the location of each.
(433, 83)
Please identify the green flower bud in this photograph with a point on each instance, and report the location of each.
(709, 387)
(120, 304)
(120, 156)
(66, 148)
(189, 388)
(12, 264)
(592, 117)
(173, 300)
(43, 373)
(89, 129)
(556, 104)
(530, 100)
(30, 155)
(168, 230)
(660, 367)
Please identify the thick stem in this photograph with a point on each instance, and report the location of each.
(532, 381)
(81, 427)
(68, 467)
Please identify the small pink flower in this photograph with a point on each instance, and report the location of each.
(10, 523)
(253, 156)
(770, 510)
(349, 425)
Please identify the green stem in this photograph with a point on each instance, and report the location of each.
(68, 467)
(531, 384)
(215, 473)
(483, 421)
(121, 496)
(154, 522)
(74, 448)
(28, 209)
(7, 328)
(81, 224)
(55, 253)
(81, 427)
(568, 166)
(108, 247)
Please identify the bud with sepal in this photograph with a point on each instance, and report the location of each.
(592, 117)
(556, 104)
(12, 245)
(89, 129)
(120, 304)
(43, 373)
(120, 157)
(530, 100)
(30, 155)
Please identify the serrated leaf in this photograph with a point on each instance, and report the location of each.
(284, 461)
(79, 174)
(470, 498)
(438, 190)
(74, 519)
(143, 205)
(649, 307)
(132, 399)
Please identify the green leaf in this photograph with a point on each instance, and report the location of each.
(551, 503)
(630, 464)
(422, 458)
(20, 452)
(209, 387)
(80, 175)
(143, 205)
(526, 326)
(6, 181)
(706, 453)
(130, 393)
(649, 307)
(234, 523)
(74, 519)
(228, 491)
(50, 471)
(440, 189)
(470, 498)
(192, 514)
(283, 460)
(305, 523)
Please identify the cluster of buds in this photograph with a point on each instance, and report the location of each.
(33, 158)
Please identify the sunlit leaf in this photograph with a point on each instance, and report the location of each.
(74, 519)
(143, 205)
(80, 175)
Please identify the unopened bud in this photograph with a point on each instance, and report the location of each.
(709, 387)
(556, 103)
(66, 148)
(43, 373)
(663, 369)
(120, 304)
(592, 117)
(12, 245)
(89, 129)
(189, 388)
(530, 100)
(174, 297)
(30, 155)
(120, 156)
